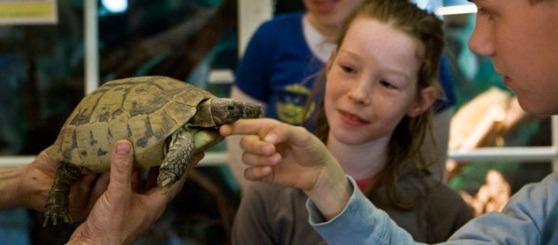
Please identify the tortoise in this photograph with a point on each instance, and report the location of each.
(167, 121)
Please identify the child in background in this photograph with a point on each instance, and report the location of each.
(378, 89)
(282, 59)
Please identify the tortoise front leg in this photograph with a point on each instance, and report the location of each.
(180, 150)
(57, 203)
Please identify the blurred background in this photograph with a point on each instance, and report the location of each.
(47, 65)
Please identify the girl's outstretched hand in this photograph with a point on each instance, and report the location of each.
(287, 155)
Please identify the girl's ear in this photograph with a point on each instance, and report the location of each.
(426, 98)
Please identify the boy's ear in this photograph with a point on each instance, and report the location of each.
(426, 98)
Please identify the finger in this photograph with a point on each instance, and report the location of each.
(48, 165)
(257, 159)
(294, 135)
(258, 172)
(79, 197)
(101, 185)
(121, 167)
(253, 144)
(269, 130)
(137, 184)
(258, 126)
(152, 177)
(83, 187)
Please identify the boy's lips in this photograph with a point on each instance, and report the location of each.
(506, 80)
(351, 119)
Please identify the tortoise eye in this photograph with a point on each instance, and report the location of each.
(230, 108)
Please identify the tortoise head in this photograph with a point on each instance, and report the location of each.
(219, 111)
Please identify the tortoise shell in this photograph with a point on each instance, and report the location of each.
(144, 110)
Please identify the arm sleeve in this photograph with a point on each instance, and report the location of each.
(529, 214)
(359, 223)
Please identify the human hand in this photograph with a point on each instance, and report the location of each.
(287, 155)
(35, 180)
(125, 210)
(279, 153)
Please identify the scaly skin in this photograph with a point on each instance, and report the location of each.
(57, 203)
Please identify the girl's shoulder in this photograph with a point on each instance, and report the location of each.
(447, 202)
(434, 192)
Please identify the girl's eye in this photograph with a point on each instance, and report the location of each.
(386, 84)
(347, 69)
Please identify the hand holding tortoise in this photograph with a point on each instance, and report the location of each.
(167, 122)
(121, 213)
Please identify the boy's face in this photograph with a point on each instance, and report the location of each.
(521, 39)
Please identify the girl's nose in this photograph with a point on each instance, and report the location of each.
(358, 93)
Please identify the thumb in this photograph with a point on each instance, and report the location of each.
(121, 166)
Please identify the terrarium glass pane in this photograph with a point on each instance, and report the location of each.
(42, 79)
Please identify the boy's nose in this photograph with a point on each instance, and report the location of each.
(481, 40)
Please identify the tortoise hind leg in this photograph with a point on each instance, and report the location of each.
(180, 150)
(58, 198)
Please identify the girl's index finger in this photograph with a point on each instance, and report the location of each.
(269, 130)
(259, 126)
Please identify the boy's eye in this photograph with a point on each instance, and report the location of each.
(484, 12)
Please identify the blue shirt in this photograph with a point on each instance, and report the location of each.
(278, 68)
(530, 217)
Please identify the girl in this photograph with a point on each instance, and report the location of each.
(280, 63)
(380, 84)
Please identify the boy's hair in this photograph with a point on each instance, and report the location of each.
(408, 136)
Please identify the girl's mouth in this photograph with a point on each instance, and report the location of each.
(351, 119)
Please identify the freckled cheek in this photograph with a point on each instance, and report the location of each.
(388, 110)
(329, 101)
(335, 90)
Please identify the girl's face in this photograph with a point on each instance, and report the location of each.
(330, 13)
(372, 83)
